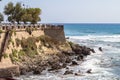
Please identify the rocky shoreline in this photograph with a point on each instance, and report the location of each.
(61, 55)
(55, 61)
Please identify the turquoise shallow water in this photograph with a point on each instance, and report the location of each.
(105, 65)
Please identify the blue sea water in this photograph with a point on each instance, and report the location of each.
(105, 65)
(91, 29)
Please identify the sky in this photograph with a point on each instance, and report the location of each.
(74, 11)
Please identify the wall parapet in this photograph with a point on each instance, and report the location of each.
(5, 27)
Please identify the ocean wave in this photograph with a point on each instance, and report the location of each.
(105, 38)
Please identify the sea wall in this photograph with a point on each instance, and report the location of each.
(9, 33)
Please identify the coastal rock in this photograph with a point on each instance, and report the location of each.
(68, 60)
(81, 49)
(70, 53)
(5, 73)
(64, 65)
(92, 50)
(100, 49)
(7, 79)
(79, 57)
(23, 71)
(68, 72)
(74, 63)
(56, 66)
(37, 71)
(78, 74)
(89, 71)
(67, 67)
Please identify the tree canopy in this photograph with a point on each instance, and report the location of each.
(1, 18)
(16, 13)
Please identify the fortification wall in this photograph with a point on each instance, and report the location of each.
(19, 32)
(54, 31)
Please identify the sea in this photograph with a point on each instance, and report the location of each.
(104, 65)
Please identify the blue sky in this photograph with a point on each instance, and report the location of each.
(74, 11)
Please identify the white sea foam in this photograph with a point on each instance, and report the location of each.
(106, 38)
(105, 65)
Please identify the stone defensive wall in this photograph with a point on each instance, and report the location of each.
(54, 31)
(19, 27)
(51, 30)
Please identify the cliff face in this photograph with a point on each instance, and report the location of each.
(20, 32)
(20, 43)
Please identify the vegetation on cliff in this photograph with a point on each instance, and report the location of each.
(16, 13)
(29, 47)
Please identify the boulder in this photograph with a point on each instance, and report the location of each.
(68, 72)
(89, 71)
(79, 57)
(78, 74)
(67, 67)
(100, 49)
(68, 60)
(23, 71)
(92, 50)
(74, 63)
(64, 65)
(38, 70)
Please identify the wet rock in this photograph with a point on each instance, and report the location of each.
(7, 79)
(23, 72)
(86, 51)
(74, 63)
(80, 57)
(89, 71)
(64, 65)
(81, 49)
(70, 53)
(100, 49)
(92, 50)
(37, 71)
(78, 74)
(56, 66)
(68, 60)
(67, 67)
(68, 72)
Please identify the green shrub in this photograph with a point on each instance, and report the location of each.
(47, 41)
(5, 55)
(1, 31)
(29, 46)
(18, 41)
(14, 53)
(71, 43)
(10, 41)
